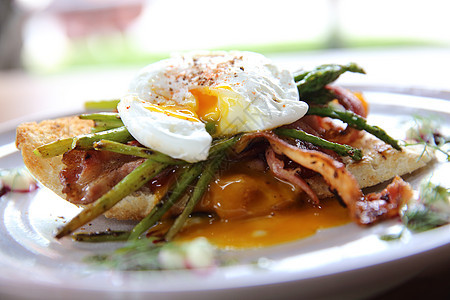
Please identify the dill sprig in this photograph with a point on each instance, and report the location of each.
(430, 210)
(152, 254)
(426, 131)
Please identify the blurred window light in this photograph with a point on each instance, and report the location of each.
(197, 24)
(46, 44)
(414, 21)
(33, 4)
(64, 33)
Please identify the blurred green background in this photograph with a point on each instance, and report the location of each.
(45, 36)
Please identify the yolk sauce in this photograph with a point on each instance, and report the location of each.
(173, 111)
(286, 225)
(254, 209)
(206, 108)
(207, 105)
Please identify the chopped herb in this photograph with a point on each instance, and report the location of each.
(430, 210)
(392, 236)
(150, 254)
(426, 131)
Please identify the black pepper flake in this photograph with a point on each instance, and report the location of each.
(385, 197)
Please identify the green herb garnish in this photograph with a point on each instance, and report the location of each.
(152, 254)
(430, 210)
(425, 131)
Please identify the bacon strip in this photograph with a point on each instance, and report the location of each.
(375, 207)
(363, 210)
(89, 174)
(334, 172)
(290, 175)
(329, 129)
(349, 100)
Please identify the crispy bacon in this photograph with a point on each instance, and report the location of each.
(89, 174)
(349, 100)
(375, 207)
(329, 129)
(333, 171)
(338, 134)
(334, 132)
(291, 175)
(364, 209)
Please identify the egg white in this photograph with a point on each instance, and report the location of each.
(248, 93)
(178, 138)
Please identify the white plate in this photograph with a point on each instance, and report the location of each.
(347, 262)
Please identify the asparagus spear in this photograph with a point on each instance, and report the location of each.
(110, 117)
(82, 142)
(103, 121)
(354, 121)
(100, 237)
(186, 178)
(343, 150)
(321, 97)
(105, 145)
(216, 155)
(86, 142)
(221, 145)
(102, 104)
(218, 146)
(314, 80)
(55, 148)
(200, 188)
(132, 182)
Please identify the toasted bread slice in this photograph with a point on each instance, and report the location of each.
(380, 163)
(29, 136)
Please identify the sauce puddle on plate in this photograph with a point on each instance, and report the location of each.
(283, 226)
(250, 208)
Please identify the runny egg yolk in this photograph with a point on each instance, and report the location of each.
(241, 192)
(173, 111)
(206, 107)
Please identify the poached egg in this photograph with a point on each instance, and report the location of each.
(170, 102)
